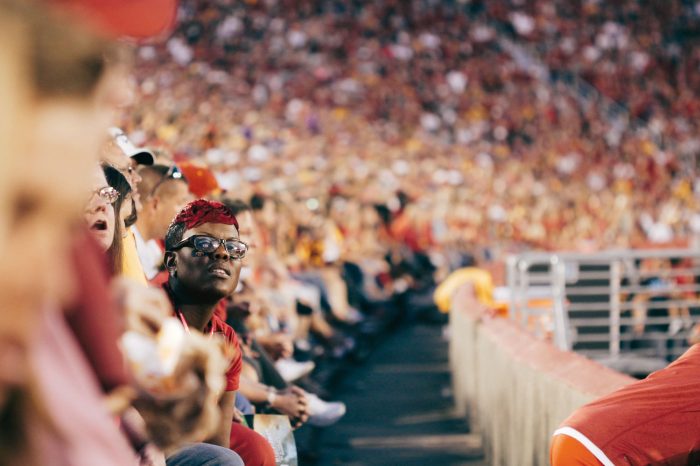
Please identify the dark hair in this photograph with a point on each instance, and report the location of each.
(237, 206)
(119, 182)
(174, 234)
(257, 202)
(133, 216)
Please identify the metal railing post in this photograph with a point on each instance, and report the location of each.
(615, 283)
(524, 283)
(513, 285)
(561, 337)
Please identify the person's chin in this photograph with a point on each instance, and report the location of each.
(221, 289)
(103, 238)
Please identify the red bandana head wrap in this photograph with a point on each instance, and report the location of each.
(202, 211)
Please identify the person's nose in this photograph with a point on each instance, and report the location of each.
(135, 178)
(97, 204)
(221, 253)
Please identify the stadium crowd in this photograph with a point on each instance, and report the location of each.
(489, 152)
(294, 177)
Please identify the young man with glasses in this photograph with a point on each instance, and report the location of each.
(164, 192)
(203, 259)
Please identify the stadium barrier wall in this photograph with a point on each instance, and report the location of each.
(516, 389)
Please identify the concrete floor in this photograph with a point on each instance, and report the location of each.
(400, 408)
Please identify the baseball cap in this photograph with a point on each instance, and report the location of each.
(141, 155)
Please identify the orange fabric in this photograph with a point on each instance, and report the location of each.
(252, 447)
(567, 451)
(646, 422)
(200, 179)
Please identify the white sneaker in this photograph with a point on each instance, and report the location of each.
(324, 413)
(354, 316)
(675, 326)
(292, 370)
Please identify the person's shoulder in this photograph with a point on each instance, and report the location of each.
(219, 326)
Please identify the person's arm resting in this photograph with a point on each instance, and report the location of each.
(223, 435)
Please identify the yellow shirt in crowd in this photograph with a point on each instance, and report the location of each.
(483, 287)
(131, 265)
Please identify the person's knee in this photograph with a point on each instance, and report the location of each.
(205, 454)
(253, 447)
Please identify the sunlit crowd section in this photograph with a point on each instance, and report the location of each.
(393, 100)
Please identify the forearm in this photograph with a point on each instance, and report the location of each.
(223, 435)
(256, 392)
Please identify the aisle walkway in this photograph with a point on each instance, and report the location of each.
(400, 409)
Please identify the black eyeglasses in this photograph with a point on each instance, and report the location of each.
(173, 173)
(207, 244)
(107, 194)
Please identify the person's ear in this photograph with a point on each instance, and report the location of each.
(170, 261)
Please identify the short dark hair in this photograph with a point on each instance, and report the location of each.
(153, 176)
(174, 235)
(257, 202)
(237, 206)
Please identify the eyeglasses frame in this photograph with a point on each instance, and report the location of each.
(110, 189)
(189, 241)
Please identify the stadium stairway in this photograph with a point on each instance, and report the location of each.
(400, 409)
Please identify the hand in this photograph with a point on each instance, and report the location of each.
(277, 345)
(694, 336)
(151, 456)
(293, 403)
(237, 416)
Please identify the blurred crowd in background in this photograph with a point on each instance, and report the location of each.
(424, 102)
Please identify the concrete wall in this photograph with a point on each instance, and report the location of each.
(514, 388)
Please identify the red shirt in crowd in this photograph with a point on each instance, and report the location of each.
(652, 421)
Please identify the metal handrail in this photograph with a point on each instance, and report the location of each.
(586, 307)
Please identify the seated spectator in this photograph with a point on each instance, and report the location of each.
(120, 153)
(203, 254)
(164, 192)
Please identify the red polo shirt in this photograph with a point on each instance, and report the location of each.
(233, 374)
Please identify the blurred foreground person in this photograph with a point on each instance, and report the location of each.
(651, 421)
(57, 102)
(203, 258)
(52, 70)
